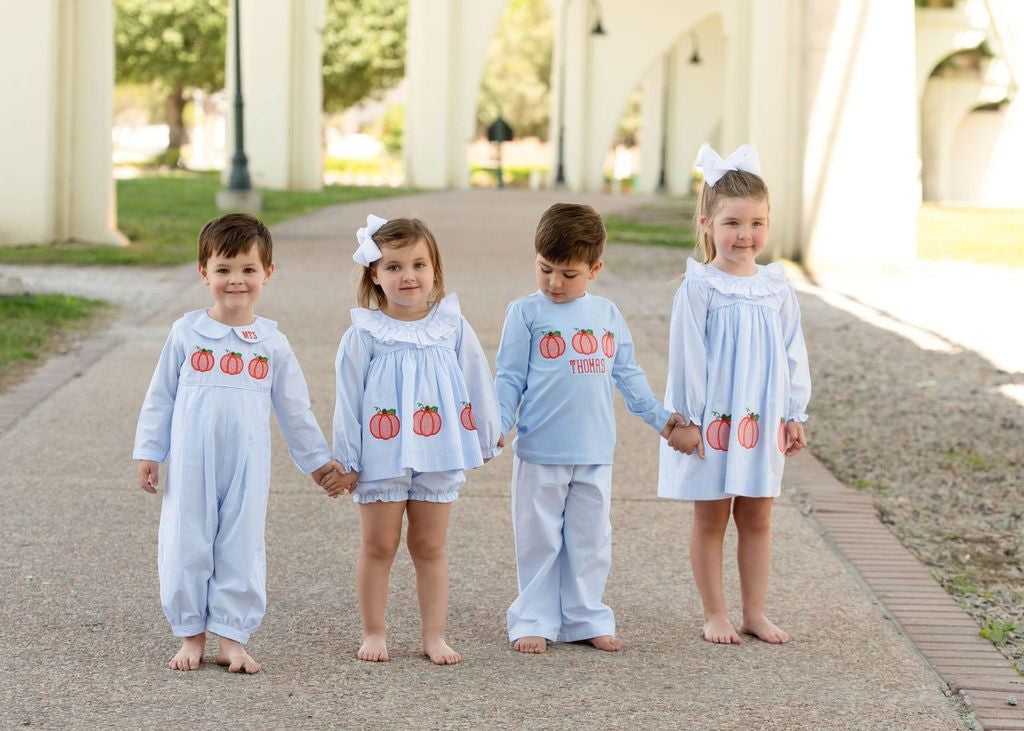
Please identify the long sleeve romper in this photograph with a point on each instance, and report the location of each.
(207, 414)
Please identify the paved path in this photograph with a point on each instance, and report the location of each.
(83, 641)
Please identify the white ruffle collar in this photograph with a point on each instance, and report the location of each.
(202, 323)
(439, 324)
(770, 279)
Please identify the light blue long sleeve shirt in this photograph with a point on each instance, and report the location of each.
(557, 368)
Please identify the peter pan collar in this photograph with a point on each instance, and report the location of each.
(770, 279)
(202, 323)
(438, 325)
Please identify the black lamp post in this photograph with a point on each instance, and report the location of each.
(239, 193)
(597, 30)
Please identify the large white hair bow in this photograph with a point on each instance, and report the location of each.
(714, 166)
(368, 251)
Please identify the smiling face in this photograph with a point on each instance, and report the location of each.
(565, 282)
(739, 230)
(406, 275)
(235, 282)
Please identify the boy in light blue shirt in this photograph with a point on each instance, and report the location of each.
(562, 351)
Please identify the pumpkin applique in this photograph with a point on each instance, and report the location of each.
(232, 363)
(384, 424)
(426, 421)
(718, 431)
(202, 359)
(584, 342)
(608, 344)
(466, 417)
(749, 431)
(552, 345)
(259, 367)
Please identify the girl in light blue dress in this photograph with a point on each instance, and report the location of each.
(738, 373)
(415, 407)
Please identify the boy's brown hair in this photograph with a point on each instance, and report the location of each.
(234, 234)
(399, 233)
(569, 232)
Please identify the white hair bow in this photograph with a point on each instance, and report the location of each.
(368, 251)
(714, 166)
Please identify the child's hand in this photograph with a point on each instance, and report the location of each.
(149, 475)
(326, 473)
(795, 437)
(686, 439)
(347, 482)
(673, 421)
(333, 483)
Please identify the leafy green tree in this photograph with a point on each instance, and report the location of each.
(517, 72)
(174, 45)
(364, 49)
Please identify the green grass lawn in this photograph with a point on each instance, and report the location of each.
(162, 214)
(32, 324)
(982, 235)
(667, 223)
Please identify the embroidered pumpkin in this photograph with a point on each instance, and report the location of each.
(426, 421)
(384, 424)
(584, 342)
(202, 360)
(608, 344)
(552, 345)
(782, 435)
(259, 367)
(749, 430)
(232, 363)
(466, 417)
(718, 432)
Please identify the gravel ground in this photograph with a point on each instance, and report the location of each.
(924, 429)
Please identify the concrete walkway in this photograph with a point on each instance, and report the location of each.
(83, 641)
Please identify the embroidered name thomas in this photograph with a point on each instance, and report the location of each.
(585, 366)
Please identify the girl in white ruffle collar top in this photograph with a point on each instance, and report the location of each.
(738, 372)
(415, 407)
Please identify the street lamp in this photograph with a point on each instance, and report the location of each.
(239, 194)
(597, 30)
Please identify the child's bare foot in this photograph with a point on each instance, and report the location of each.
(373, 649)
(439, 652)
(531, 645)
(720, 631)
(190, 654)
(763, 629)
(233, 656)
(608, 643)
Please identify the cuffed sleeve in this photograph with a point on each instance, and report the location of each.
(153, 433)
(687, 355)
(512, 364)
(632, 381)
(350, 369)
(796, 355)
(482, 394)
(290, 396)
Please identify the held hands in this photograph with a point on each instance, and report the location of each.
(148, 474)
(687, 439)
(333, 478)
(501, 445)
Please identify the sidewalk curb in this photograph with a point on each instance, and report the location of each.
(944, 635)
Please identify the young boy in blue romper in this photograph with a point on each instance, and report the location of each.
(562, 351)
(207, 414)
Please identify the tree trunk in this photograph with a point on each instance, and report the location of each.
(174, 107)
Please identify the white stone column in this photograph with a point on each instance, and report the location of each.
(56, 122)
(859, 199)
(447, 43)
(282, 86)
(653, 109)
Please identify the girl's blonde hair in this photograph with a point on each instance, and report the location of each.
(399, 233)
(734, 184)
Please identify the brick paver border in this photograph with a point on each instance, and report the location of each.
(938, 628)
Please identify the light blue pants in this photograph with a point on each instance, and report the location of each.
(212, 556)
(560, 517)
